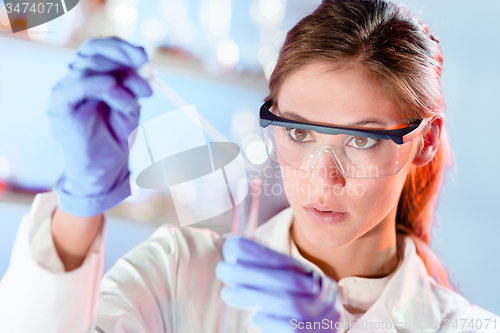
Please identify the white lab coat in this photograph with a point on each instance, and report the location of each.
(167, 284)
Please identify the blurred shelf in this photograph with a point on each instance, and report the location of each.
(159, 210)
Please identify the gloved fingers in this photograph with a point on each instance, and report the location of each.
(281, 305)
(119, 99)
(278, 280)
(243, 250)
(136, 84)
(122, 125)
(96, 63)
(95, 157)
(75, 88)
(116, 50)
(67, 96)
(127, 76)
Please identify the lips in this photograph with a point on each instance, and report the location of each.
(322, 207)
(324, 213)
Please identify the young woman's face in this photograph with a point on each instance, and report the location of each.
(341, 97)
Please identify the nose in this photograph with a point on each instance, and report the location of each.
(327, 171)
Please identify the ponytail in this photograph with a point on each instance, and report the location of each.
(417, 204)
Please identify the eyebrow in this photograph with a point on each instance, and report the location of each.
(295, 116)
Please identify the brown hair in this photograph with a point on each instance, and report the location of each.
(398, 52)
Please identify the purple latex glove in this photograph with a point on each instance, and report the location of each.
(92, 112)
(285, 293)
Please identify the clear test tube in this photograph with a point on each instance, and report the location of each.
(245, 221)
(233, 321)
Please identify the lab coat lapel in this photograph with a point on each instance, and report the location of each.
(408, 295)
(407, 299)
(376, 319)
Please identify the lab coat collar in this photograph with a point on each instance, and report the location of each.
(407, 297)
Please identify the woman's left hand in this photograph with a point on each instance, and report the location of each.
(285, 293)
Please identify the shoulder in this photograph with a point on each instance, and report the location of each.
(455, 310)
(411, 288)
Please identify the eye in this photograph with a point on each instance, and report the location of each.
(362, 142)
(300, 134)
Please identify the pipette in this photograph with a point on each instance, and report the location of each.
(149, 73)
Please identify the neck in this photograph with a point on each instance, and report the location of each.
(372, 255)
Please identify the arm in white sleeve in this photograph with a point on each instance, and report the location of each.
(45, 253)
(166, 284)
(43, 249)
(38, 299)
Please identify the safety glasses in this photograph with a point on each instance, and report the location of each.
(358, 152)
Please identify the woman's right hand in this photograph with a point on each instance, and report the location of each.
(92, 112)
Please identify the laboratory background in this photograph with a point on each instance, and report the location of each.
(218, 55)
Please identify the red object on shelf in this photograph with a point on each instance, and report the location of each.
(3, 187)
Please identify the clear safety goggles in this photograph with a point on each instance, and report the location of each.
(358, 152)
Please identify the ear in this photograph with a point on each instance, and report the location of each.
(429, 143)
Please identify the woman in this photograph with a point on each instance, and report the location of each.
(354, 118)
